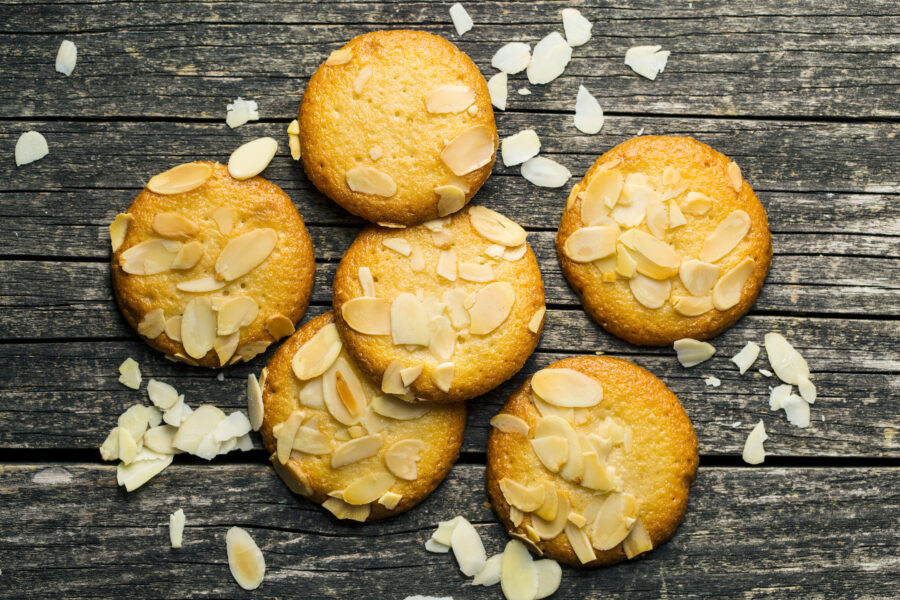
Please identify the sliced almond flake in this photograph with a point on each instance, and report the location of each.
(196, 427)
(746, 357)
(391, 225)
(651, 293)
(369, 180)
(394, 408)
(137, 474)
(247, 352)
(520, 147)
(66, 57)
(161, 394)
(495, 227)
(544, 172)
(712, 381)
(359, 82)
(399, 245)
(442, 239)
(232, 427)
(467, 548)
(696, 204)
(807, 389)
(442, 338)
(30, 146)
(391, 382)
(601, 194)
(433, 546)
(446, 265)
(339, 57)
(588, 113)
(279, 326)
(580, 543)
(552, 450)
(626, 265)
(525, 498)
(367, 282)
(518, 575)
(516, 516)
(401, 458)
(754, 453)
(173, 225)
(471, 149)
(176, 528)
(180, 179)
(729, 288)
(343, 392)
(343, 510)
(673, 192)
(453, 299)
(537, 320)
(613, 521)
(462, 22)
(692, 352)
(514, 254)
(226, 346)
(726, 236)
(240, 112)
(494, 251)
(235, 313)
(591, 243)
(225, 218)
(409, 374)
(150, 257)
(367, 315)
(153, 324)
(127, 446)
(697, 276)
(498, 90)
(654, 258)
(173, 328)
(647, 61)
(310, 440)
(510, 424)
(356, 450)
(255, 408)
(118, 229)
(512, 58)
(417, 260)
(207, 283)
(638, 541)
(490, 573)
(245, 252)
(442, 376)
(567, 388)
(523, 92)
(787, 363)
(130, 374)
(252, 158)
(449, 99)
(576, 519)
(284, 433)
(318, 354)
(451, 198)
(491, 307)
(547, 529)
(245, 560)
(368, 488)
(577, 28)
(548, 59)
(109, 449)
(734, 176)
(549, 577)
(691, 306)
(479, 273)
(390, 500)
(657, 218)
(409, 322)
(188, 256)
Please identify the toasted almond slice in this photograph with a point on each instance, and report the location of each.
(226, 346)
(417, 260)
(235, 313)
(459, 316)
(479, 273)
(807, 389)
(626, 265)
(399, 245)
(518, 575)
(787, 363)
(654, 258)
(498, 89)
(159, 439)
(754, 453)
(409, 322)
(245, 560)
(310, 440)
(390, 500)
(591, 243)
(471, 149)
(180, 179)
(198, 327)
(778, 395)
(613, 521)
(150, 257)
(491, 307)
(651, 293)
(692, 352)
(746, 357)
(401, 458)
(556, 426)
(449, 99)
(510, 424)
(588, 113)
(161, 394)
(318, 354)
(548, 59)
(255, 409)
(451, 198)
(443, 338)
(370, 316)
(343, 392)
(359, 82)
(153, 324)
(514, 254)
(547, 529)
(697, 276)
(138, 473)
(391, 382)
(118, 229)
(342, 510)
(490, 573)
(638, 541)
(284, 433)
(692, 306)
(409, 374)
(442, 238)
(734, 176)
(549, 571)
(245, 252)
(727, 235)
(729, 288)
(394, 408)
(601, 194)
(225, 218)
(279, 326)
(597, 475)
(294, 146)
(442, 376)
(676, 218)
(552, 450)
(580, 543)
(446, 265)
(127, 446)
(293, 128)
(368, 488)
(657, 218)
(537, 320)
(696, 204)
(525, 498)
(173, 225)
(467, 548)
(207, 283)
(339, 57)
(188, 256)
(495, 227)
(367, 282)
(566, 388)
(252, 158)
(356, 450)
(248, 351)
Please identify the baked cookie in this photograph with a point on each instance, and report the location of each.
(590, 462)
(340, 442)
(663, 239)
(443, 311)
(397, 127)
(208, 269)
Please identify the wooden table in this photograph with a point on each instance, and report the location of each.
(803, 95)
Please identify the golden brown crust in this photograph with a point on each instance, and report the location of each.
(441, 428)
(482, 362)
(339, 127)
(658, 469)
(282, 284)
(611, 304)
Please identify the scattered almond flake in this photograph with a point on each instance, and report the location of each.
(252, 158)
(518, 576)
(66, 57)
(754, 453)
(399, 245)
(220, 376)
(778, 395)
(766, 372)
(647, 61)
(497, 88)
(544, 172)
(524, 92)
(713, 381)
(359, 82)
(175, 415)
(176, 528)
(787, 363)
(139, 472)
(241, 111)
(512, 58)
(549, 59)
(577, 28)
(130, 374)
(640, 131)
(807, 389)
(444, 532)
(461, 19)
(248, 567)
(549, 577)
(736, 424)
(341, 56)
(375, 152)
(692, 352)
(746, 357)
(490, 573)
(796, 409)
(520, 147)
(31, 146)
(162, 394)
(431, 545)
(467, 548)
(588, 114)
(233, 426)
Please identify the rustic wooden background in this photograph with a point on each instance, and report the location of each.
(804, 95)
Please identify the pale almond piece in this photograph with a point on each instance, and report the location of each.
(516, 516)
(490, 573)
(726, 236)
(284, 433)
(252, 158)
(394, 408)
(150, 257)
(161, 394)
(729, 288)
(401, 458)
(357, 431)
(345, 511)
(651, 293)
(446, 265)
(138, 473)
(391, 382)
(691, 306)
(442, 376)
(514, 254)
(367, 282)
(512, 58)
(399, 245)
(66, 57)
(198, 328)
(676, 217)
(127, 446)
(698, 276)
(467, 548)
(631, 207)
(409, 322)
(548, 570)
(294, 146)
(495, 227)
(359, 82)
(510, 424)
(746, 357)
(439, 224)
(454, 300)
(491, 307)
(567, 388)
(479, 273)
(173, 225)
(409, 374)
(356, 450)
(390, 500)
(552, 450)
(225, 218)
(417, 260)
(537, 320)
(245, 560)
(498, 90)
(226, 346)
(613, 521)
(580, 543)
(343, 392)
(692, 352)
(696, 204)
(442, 338)
(734, 176)
(591, 243)
(368, 488)
(197, 427)
(518, 575)
(520, 147)
(657, 218)
(255, 409)
(547, 529)
(180, 179)
(597, 475)
(188, 256)
(311, 441)
(472, 149)
(807, 389)
(436, 547)
(548, 59)
(279, 326)
(235, 313)
(244, 253)
(390, 225)
(557, 426)
(173, 328)
(176, 528)
(318, 354)
(339, 57)
(588, 113)
(207, 283)
(654, 258)
(787, 363)
(311, 394)
(153, 324)
(118, 229)
(462, 22)
(638, 541)
(444, 533)
(449, 99)
(578, 32)
(451, 198)
(30, 146)
(647, 61)
(293, 128)
(248, 351)
(600, 195)
(626, 265)
(796, 409)
(754, 453)
(525, 498)
(159, 439)
(367, 315)
(544, 172)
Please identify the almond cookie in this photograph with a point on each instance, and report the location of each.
(397, 127)
(340, 442)
(591, 461)
(208, 269)
(663, 239)
(443, 311)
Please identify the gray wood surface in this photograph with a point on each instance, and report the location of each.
(803, 95)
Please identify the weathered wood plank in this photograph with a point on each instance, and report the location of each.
(66, 394)
(67, 531)
(188, 59)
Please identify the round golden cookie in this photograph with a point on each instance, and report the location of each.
(340, 442)
(625, 489)
(208, 269)
(663, 239)
(397, 127)
(443, 311)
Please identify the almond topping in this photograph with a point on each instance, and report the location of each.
(244, 253)
(409, 374)
(697, 276)
(449, 99)
(368, 488)
(480, 273)
(454, 300)
(173, 225)
(518, 575)
(359, 82)
(613, 521)
(727, 291)
(552, 450)
(180, 179)
(394, 408)
(248, 351)
(188, 256)
(226, 346)
(510, 424)
(417, 260)
(153, 324)
(224, 217)
(442, 238)
(727, 235)
(451, 198)
(294, 145)
(367, 282)
(356, 450)
(626, 265)
(470, 150)
(442, 376)
(279, 326)
(537, 320)
(527, 499)
(446, 266)
(339, 57)
(369, 180)
(676, 218)
(657, 218)
(252, 158)
(370, 316)
(567, 388)
(597, 475)
(651, 293)
(553, 425)
(118, 229)
(409, 322)
(207, 283)
(149, 258)
(342, 510)
(580, 543)
(550, 527)
(638, 541)
(692, 306)
(696, 204)
(391, 382)
(198, 327)
(245, 560)
(600, 195)
(235, 313)
(692, 352)
(591, 243)
(654, 258)
(734, 175)
(343, 392)
(390, 500)
(491, 307)
(311, 441)
(318, 354)
(443, 338)
(401, 458)
(398, 245)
